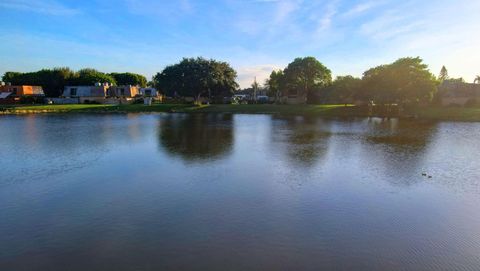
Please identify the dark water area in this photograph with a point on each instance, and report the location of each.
(237, 192)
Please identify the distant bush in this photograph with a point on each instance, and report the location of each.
(31, 100)
(90, 102)
(138, 101)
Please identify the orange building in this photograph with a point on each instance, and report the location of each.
(23, 90)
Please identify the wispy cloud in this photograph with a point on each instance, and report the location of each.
(389, 25)
(49, 7)
(284, 10)
(442, 36)
(361, 9)
(326, 21)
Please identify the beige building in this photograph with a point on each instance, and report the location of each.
(453, 92)
(124, 91)
(293, 97)
(86, 94)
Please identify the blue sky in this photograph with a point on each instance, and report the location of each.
(255, 36)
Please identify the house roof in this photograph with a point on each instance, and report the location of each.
(4, 95)
(459, 89)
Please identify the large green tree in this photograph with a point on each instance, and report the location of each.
(274, 84)
(306, 75)
(128, 78)
(12, 77)
(89, 77)
(51, 80)
(405, 81)
(197, 77)
(342, 90)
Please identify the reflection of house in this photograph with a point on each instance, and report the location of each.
(454, 92)
(124, 91)
(96, 93)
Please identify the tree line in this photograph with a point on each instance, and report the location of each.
(54, 80)
(405, 81)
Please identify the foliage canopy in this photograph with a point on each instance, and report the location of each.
(196, 77)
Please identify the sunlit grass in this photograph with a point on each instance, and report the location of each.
(336, 110)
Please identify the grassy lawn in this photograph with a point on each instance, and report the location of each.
(273, 109)
(245, 109)
(79, 108)
(449, 113)
(432, 113)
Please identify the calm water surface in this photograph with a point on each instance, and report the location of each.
(237, 192)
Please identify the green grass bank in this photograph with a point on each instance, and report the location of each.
(429, 113)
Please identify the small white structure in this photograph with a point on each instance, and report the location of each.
(149, 92)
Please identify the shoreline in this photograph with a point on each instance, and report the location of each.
(425, 113)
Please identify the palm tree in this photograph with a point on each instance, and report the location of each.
(477, 80)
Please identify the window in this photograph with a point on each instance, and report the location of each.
(73, 92)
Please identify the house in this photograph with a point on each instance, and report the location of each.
(86, 94)
(124, 91)
(22, 90)
(13, 94)
(149, 92)
(455, 92)
(293, 97)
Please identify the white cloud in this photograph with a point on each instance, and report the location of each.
(442, 36)
(326, 21)
(49, 7)
(361, 8)
(246, 74)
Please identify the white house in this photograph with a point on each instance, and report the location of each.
(96, 93)
(149, 92)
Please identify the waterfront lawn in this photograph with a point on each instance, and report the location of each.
(428, 113)
(100, 108)
(274, 109)
(223, 108)
(449, 113)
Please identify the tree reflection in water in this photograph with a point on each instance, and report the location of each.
(304, 140)
(197, 137)
(398, 148)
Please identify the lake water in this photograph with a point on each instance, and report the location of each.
(237, 192)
